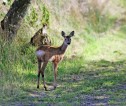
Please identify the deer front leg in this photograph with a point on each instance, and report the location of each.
(42, 73)
(39, 71)
(55, 64)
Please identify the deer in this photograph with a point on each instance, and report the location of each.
(46, 53)
(41, 37)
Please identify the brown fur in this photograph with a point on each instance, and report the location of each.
(57, 52)
(40, 39)
(53, 54)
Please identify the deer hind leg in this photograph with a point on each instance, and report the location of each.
(55, 73)
(39, 71)
(42, 73)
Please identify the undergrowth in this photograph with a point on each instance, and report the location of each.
(94, 63)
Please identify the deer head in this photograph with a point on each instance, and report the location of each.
(67, 39)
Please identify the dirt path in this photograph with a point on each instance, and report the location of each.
(96, 84)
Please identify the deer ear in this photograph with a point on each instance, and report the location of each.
(63, 33)
(71, 34)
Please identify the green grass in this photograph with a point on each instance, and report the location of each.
(92, 72)
(78, 78)
(95, 78)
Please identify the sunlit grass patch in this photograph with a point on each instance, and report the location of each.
(105, 48)
(122, 3)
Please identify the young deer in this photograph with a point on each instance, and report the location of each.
(41, 37)
(54, 54)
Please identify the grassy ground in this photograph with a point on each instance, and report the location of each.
(91, 74)
(97, 77)
(92, 83)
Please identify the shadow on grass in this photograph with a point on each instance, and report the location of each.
(92, 83)
(95, 84)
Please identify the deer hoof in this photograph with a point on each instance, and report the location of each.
(45, 88)
(38, 86)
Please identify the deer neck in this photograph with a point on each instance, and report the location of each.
(63, 47)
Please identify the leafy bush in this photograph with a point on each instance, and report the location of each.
(45, 15)
(32, 17)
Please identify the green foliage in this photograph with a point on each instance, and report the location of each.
(32, 18)
(98, 22)
(45, 15)
(10, 2)
(122, 3)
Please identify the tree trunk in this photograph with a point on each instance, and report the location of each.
(12, 21)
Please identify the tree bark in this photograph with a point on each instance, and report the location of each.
(12, 21)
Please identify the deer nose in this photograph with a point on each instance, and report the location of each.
(68, 43)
